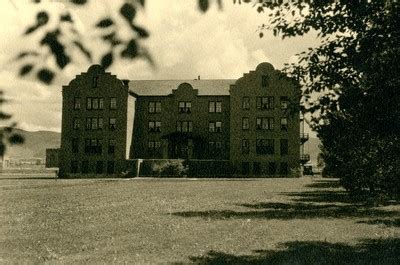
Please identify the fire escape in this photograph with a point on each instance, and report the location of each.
(304, 158)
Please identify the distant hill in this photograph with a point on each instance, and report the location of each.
(35, 144)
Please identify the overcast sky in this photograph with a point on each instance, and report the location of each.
(184, 42)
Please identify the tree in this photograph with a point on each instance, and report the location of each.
(7, 136)
(350, 84)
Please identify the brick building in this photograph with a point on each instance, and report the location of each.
(94, 124)
(253, 122)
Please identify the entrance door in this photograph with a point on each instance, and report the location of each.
(179, 149)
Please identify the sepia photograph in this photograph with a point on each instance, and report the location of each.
(200, 132)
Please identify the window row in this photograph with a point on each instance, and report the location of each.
(185, 107)
(185, 126)
(94, 103)
(95, 123)
(265, 103)
(266, 146)
(99, 167)
(265, 123)
(93, 146)
(269, 168)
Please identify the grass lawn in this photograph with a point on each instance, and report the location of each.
(257, 221)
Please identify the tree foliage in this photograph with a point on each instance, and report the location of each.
(7, 135)
(350, 84)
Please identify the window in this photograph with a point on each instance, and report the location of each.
(214, 149)
(85, 166)
(284, 147)
(245, 146)
(112, 123)
(185, 107)
(246, 103)
(93, 146)
(77, 124)
(110, 167)
(264, 81)
(218, 126)
(94, 103)
(113, 103)
(77, 103)
(184, 126)
(101, 103)
(271, 168)
(94, 123)
(75, 145)
(74, 166)
(215, 126)
(94, 81)
(99, 167)
(284, 103)
(154, 107)
(154, 126)
(257, 168)
(265, 146)
(111, 146)
(215, 106)
(265, 103)
(245, 123)
(88, 103)
(265, 123)
(284, 169)
(284, 124)
(245, 168)
(154, 147)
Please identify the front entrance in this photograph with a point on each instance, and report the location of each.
(179, 149)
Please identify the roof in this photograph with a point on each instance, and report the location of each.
(209, 87)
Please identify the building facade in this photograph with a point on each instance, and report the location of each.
(253, 122)
(94, 124)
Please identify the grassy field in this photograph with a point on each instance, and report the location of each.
(256, 221)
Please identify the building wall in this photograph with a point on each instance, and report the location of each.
(251, 86)
(170, 115)
(94, 84)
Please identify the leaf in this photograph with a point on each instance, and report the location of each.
(104, 23)
(45, 75)
(79, 2)
(128, 11)
(203, 5)
(42, 18)
(66, 18)
(25, 54)
(83, 49)
(142, 2)
(16, 139)
(4, 116)
(141, 31)
(261, 34)
(58, 50)
(107, 60)
(131, 50)
(25, 69)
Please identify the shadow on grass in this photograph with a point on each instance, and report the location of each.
(325, 184)
(285, 211)
(386, 222)
(316, 203)
(383, 251)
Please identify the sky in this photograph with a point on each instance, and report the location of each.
(184, 43)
